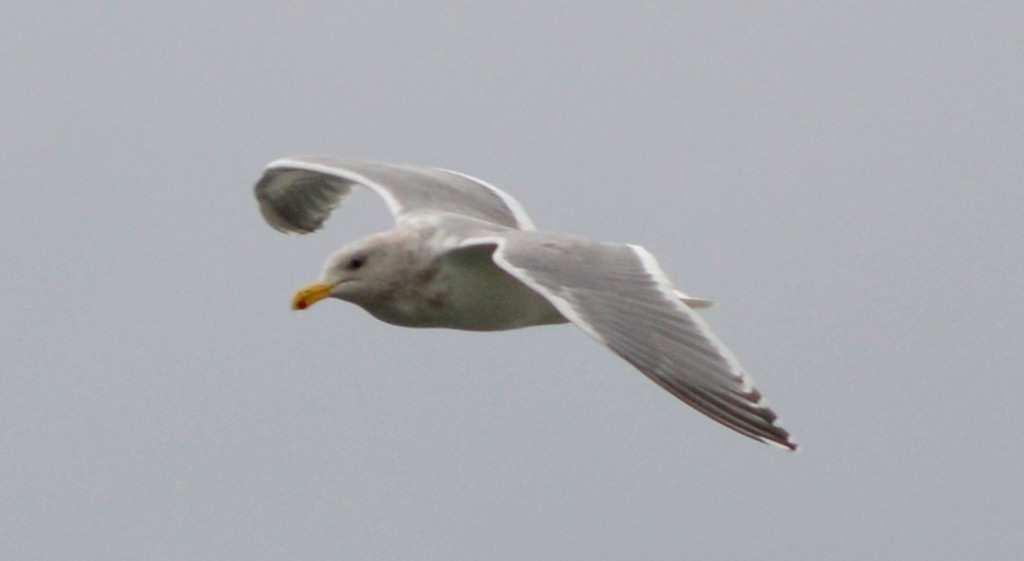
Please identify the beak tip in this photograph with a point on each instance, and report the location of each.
(310, 295)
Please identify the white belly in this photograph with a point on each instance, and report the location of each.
(469, 292)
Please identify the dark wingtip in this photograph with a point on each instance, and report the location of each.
(780, 439)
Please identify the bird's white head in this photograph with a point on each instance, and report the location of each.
(360, 272)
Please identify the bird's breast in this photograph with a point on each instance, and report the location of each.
(472, 295)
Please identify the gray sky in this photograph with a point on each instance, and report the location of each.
(845, 181)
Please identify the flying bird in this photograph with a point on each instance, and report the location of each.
(464, 255)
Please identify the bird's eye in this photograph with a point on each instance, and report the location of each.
(356, 262)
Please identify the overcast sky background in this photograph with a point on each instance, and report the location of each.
(846, 181)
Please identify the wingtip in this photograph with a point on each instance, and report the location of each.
(784, 442)
(792, 447)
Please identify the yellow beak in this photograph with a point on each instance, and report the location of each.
(310, 295)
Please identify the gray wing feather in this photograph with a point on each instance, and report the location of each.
(293, 200)
(619, 295)
(297, 194)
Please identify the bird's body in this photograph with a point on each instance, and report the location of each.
(465, 255)
(457, 289)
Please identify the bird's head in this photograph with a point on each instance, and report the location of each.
(356, 273)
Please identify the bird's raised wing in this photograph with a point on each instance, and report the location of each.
(297, 194)
(620, 296)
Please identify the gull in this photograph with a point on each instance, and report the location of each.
(464, 255)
